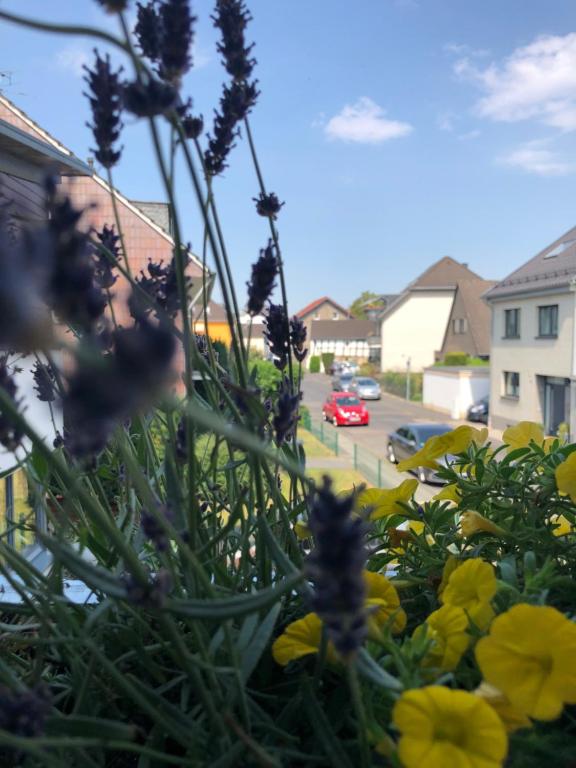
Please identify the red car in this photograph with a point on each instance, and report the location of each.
(345, 408)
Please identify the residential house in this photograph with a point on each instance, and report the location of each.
(347, 339)
(414, 325)
(468, 327)
(533, 356)
(24, 162)
(373, 308)
(324, 308)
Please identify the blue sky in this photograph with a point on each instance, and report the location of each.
(397, 131)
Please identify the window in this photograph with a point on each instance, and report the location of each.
(511, 323)
(460, 325)
(548, 321)
(511, 384)
(335, 315)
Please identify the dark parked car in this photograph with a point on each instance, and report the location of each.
(408, 439)
(479, 411)
(344, 382)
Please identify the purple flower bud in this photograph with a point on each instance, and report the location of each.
(106, 102)
(44, 382)
(268, 205)
(298, 338)
(261, 284)
(277, 334)
(176, 39)
(232, 18)
(148, 30)
(149, 99)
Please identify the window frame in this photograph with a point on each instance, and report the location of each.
(512, 312)
(553, 315)
(511, 391)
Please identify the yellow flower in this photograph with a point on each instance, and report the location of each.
(472, 522)
(563, 526)
(450, 492)
(472, 586)
(524, 433)
(513, 719)
(383, 602)
(446, 628)
(301, 638)
(449, 567)
(529, 655)
(302, 530)
(455, 441)
(440, 727)
(565, 474)
(384, 502)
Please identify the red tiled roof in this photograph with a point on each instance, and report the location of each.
(317, 303)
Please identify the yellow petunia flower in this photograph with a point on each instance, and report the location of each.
(301, 638)
(563, 527)
(302, 530)
(472, 522)
(450, 492)
(456, 441)
(385, 502)
(529, 656)
(512, 718)
(524, 433)
(472, 587)
(304, 636)
(440, 727)
(449, 567)
(383, 602)
(565, 475)
(446, 628)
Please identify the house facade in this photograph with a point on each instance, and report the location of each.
(533, 358)
(347, 339)
(414, 326)
(324, 308)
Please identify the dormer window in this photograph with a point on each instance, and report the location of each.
(335, 315)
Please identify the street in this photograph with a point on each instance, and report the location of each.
(385, 416)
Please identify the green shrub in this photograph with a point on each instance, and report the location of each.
(394, 382)
(327, 360)
(314, 364)
(456, 358)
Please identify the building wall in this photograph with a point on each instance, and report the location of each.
(458, 342)
(343, 350)
(325, 311)
(529, 356)
(454, 390)
(26, 198)
(415, 329)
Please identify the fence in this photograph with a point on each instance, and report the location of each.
(368, 465)
(365, 462)
(327, 435)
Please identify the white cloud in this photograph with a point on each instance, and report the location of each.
(462, 49)
(535, 82)
(72, 59)
(533, 157)
(445, 121)
(365, 123)
(470, 135)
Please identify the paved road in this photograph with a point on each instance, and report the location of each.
(385, 415)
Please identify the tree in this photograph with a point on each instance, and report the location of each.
(357, 309)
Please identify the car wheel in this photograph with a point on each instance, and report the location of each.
(422, 476)
(391, 454)
(335, 421)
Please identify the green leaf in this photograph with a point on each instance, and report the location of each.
(323, 730)
(230, 607)
(372, 671)
(78, 726)
(260, 641)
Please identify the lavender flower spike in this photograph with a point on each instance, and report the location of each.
(177, 34)
(106, 103)
(277, 334)
(336, 567)
(261, 283)
(298, 338)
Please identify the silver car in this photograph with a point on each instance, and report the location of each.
(368, 389)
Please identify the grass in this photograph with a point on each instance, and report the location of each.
(312, 446)
(343, 479)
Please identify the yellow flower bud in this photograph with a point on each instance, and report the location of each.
(472, 522)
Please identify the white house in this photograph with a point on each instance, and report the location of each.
(533, 357)
(414, 324)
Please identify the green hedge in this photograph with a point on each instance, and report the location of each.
(314, 364)
(394, 382)
(327, 360)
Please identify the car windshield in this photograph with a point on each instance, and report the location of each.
(366, 382)
(425, 432)
(347, 401)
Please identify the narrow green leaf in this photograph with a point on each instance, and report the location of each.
(260, 641)
(91, 728)
(372, 671)
(323, 729)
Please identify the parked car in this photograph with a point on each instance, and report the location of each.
(368, 389)
(479, 411)
(336, 368)
(345, 409)
(344, 382)
(351, 367)
(408, 439)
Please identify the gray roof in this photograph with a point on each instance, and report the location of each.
(443, 275)
(18, 143)
(554, 268)
(342, 330)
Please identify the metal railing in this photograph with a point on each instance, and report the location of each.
(325, 433)
(368, 465)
